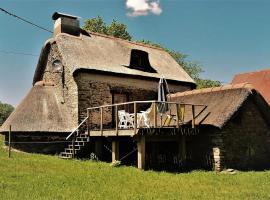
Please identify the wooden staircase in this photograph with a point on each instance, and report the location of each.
(75, 146)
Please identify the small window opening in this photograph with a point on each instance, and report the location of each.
(140, 60)
(57, 66)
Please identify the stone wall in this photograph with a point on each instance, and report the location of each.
(97, 89)
(47, 143)
(64, 82)
(246, 140)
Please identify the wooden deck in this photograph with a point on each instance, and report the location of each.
(112, 132)
(145, 131)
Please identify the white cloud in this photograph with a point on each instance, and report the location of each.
(143, 7)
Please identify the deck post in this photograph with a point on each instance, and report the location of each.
(101, 121)
(115, 150)
(135, 118)
(141, 152)
(177, 115)
(98, 147)
(193, 116)
(9, 141)
(155, 114)
(73, 147)
(116, 120)
(182, 148)
(88, 122)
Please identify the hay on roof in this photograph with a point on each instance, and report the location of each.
(222, 103)
(40, 111)
(108, 54)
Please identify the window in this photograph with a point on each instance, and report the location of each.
(57, 66)
(140, 60)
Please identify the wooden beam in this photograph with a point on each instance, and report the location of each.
(98, 147)
(193, 116)
(135, 118)
(101, 120)
(182, 148)
(9, 141)
(155, 114)
(115, 150)
(177, 115)
(88, 122)
(141, 152)
(116, 120)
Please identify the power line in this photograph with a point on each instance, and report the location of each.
(18, 53)
(20, 18)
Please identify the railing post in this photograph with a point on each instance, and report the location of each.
(9, 141)
(177, 115)
(88, 122)
(193, 116)
(135, 118)
(116, 120)
(101, 120)
(73, 146)
(155, 114)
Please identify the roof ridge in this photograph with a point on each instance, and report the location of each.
(128, 41)
(214, 89)
(253, 72)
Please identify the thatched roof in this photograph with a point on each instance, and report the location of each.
(259, 79)
(94, 51)
(222, 103)
(40, 111)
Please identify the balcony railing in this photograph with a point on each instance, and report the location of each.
(142, 114)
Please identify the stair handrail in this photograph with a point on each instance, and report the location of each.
(75, 130)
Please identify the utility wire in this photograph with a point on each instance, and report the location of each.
(22, 19)
(18, 53)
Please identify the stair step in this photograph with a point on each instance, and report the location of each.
(84, 139)
(67, 150)
(64, 157)
(76, 147)
(78, 144)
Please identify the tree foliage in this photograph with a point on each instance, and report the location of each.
(116, 29)
(5, 111)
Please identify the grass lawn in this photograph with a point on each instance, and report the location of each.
(33, 176)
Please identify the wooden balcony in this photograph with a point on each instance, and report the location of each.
(143, 117)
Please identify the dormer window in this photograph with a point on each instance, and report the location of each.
(140, 60)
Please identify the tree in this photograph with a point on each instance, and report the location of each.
(192, 68)
(5, 111)
(95, 25)
(115, 29)
(119, 30)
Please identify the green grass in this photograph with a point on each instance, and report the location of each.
(33, 176)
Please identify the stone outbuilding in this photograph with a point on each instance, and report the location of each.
(234, 128)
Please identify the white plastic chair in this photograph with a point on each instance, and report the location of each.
(126, 120)
(145, 117)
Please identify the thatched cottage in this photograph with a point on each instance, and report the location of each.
(234, 128)
(77, 70)
(80, 88)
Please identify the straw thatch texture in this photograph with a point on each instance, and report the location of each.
(222, 103)
(109, 54)
(40, 111)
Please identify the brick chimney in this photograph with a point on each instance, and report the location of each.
(64, 23)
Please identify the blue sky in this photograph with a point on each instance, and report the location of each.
(225, 36)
